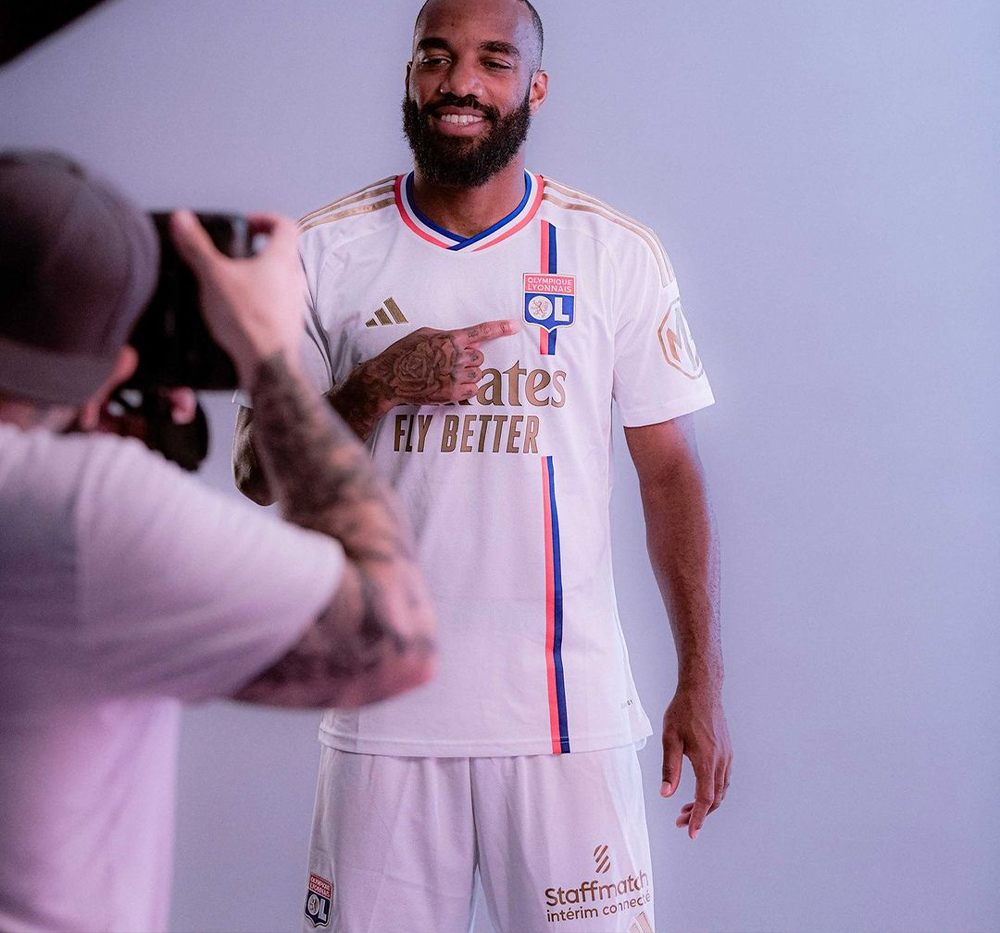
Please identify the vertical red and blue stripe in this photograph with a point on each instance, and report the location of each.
(558, 723)
(550, 266)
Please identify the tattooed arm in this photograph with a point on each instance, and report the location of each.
(427, 367)
(375, 639)
(247, 471)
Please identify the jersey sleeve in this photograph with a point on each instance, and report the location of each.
(316, 365)
(184, 592)
(658, 372)
(316, 358)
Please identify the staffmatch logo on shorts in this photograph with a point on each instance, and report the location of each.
(549, 300)
(318, 899)
(678, 344)
(591, 898)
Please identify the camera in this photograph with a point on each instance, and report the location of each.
(175, 346)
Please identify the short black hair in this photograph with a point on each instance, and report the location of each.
(536, 21)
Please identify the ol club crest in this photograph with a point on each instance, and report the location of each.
(549, 300)
(318, 898)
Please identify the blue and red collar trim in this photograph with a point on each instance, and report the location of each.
(426, 229)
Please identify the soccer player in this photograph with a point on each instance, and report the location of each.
(519, 761)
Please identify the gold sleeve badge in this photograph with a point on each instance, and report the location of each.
(678, 344)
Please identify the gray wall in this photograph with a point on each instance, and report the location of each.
(824, 176)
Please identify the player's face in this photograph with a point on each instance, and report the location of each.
(472, 88)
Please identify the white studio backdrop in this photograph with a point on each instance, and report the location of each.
(824, 177)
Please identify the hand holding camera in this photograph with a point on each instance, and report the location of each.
(252, 306)
(216, 304)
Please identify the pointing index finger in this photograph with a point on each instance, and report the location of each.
(488, 330)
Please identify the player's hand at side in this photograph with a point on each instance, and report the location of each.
(695, 725)
(433, 367)
(252, 306)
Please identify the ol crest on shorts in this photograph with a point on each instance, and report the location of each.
(549, 300)
(318, 897)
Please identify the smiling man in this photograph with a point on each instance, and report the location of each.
(519, 762)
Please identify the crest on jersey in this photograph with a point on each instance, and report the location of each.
(549, 300)
(318, 899)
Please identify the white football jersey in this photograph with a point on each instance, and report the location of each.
(508, 493)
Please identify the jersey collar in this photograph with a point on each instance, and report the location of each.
(426, 229)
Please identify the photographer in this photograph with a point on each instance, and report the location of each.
(125, 585)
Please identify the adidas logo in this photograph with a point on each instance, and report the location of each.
(389, 313)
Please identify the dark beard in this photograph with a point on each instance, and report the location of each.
(463, 163)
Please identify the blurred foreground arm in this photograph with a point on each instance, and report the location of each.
(376, 638)
(684, 551)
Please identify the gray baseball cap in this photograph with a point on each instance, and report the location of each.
(78, 264)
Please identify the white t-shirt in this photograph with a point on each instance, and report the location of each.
(509, 493)
(125, 587)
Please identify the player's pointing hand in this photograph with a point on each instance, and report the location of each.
(487, 330)
(426, 367)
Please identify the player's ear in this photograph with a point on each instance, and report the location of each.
(539, 90)
(406, 80)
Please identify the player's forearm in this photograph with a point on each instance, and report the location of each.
(251, 480)
(362, 399)
(684, 550)
(360, 402)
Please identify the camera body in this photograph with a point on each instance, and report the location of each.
(174, 345)
(176, 348)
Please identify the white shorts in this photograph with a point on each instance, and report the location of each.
(558, 841)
